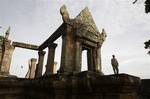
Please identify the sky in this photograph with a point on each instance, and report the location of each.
(126, 25)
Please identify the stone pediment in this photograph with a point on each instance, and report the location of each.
(85, 18)
(83, 23)
(86, 26)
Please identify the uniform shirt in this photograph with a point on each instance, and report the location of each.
(114, 62)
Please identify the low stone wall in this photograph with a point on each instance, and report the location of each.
(83, 85)
(145, 89)
(14, 88)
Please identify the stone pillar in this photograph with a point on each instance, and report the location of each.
(90, 60)
(55, 67)
(39, 67)
(50, 59)
(1, 48)
(78, 56)
(7, 51)
(32, 68)
(1, 54)
(68, 51)
(98, 59)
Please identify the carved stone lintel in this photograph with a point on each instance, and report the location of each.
(41, 53)
(25, 45)
(52, 45)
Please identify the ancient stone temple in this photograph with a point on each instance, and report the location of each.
(7, 48)
(78, 34)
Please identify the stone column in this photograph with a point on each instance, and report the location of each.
(55, 67)
(32, 68)
(50, 59)
(39, 67)
(68, 51)
(0, 54)
(90, 60)
(7, 51)
(97, 57)
(78, 56)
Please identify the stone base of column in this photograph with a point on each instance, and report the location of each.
(47, 74)
(84, 85)
(4, 74)
(91, 85)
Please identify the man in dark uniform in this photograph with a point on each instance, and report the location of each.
(115, 64)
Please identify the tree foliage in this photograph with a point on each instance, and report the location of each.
(147, 5)
(147, 45)
(147, 10)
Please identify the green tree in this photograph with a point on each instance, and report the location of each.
(147, 46)
(147, 10)
(147, 5)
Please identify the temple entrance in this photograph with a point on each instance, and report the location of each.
(84, 66)
(28, 52)
(79, 35)
(57, 53)
(19, 65)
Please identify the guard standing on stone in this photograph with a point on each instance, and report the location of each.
(115, 64)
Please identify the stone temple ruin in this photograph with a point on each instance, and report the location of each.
(69, 82)
(78, 34)
(6, 50)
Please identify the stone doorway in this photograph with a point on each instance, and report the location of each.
(19, 66)
(84, 65)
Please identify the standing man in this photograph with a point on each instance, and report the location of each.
(115, 64)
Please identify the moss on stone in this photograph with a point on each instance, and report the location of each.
(1, 40)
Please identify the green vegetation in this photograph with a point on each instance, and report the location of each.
(147, 45)
(1, 40)
(147, 10)
(147, 5)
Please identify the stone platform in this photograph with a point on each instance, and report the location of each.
(84, 85)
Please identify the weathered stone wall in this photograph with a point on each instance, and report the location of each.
(32, 68)
(6, 51)
(85, 85)
(1, 46)
(7, 55)
(145, 89)
(0, 54)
